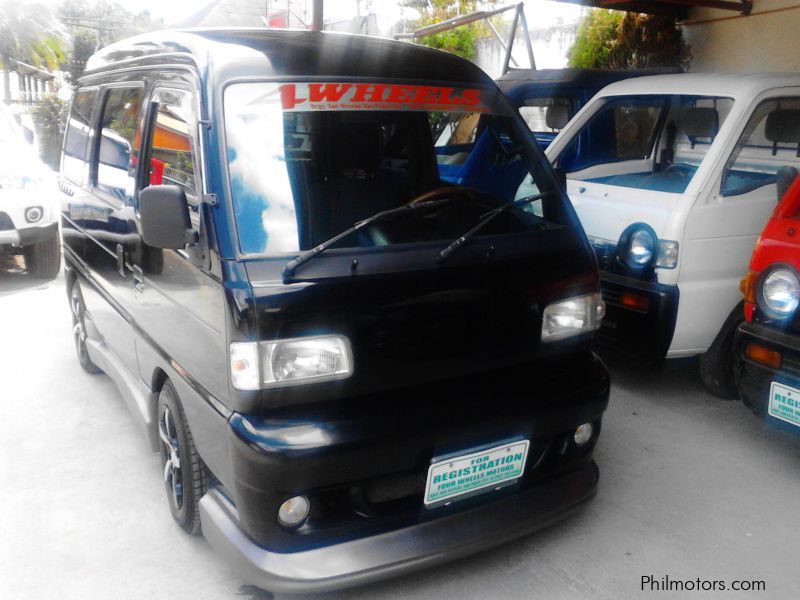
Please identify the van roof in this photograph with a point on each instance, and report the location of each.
(579, 76)
(733, 85)
(226, 53)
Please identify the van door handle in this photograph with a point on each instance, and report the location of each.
(121, 260)
(138, 278)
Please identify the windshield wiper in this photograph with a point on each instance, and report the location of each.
(482, 222)
(291, 267)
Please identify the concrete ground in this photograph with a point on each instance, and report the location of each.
(691, 487)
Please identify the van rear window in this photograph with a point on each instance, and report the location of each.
(308, 160)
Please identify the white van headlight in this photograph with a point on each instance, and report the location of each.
(573, 316)
(780, 293)
(289, 362)
(638, 246)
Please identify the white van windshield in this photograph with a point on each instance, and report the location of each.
(648, 142)
(307, 161)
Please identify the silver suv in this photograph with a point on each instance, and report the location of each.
(28, 224)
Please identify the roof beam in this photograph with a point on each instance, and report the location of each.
(742, 6)
(675, 8)
(317, 15)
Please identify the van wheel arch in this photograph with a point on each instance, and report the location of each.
(718, 364)
(157, 381)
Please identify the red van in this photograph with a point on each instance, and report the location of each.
(768, 342)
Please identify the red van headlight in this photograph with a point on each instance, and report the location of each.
(779, 293)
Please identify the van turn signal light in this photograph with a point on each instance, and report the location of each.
(635, 301)
(763, 355)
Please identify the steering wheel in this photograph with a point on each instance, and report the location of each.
(440, 191)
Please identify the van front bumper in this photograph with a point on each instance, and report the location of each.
(392, 553)
(755, 379)
(363, 466)
(644, 330)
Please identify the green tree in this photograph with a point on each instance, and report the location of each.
(461, 40)
(610, 39)
(50, 119)
(97, 24)
(84, 44)
(28, 33)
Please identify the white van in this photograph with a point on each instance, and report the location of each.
(673, 178)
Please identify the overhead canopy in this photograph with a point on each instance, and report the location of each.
(674, 8)
(25, 69)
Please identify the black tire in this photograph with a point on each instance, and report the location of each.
(43, 259)
(79, 330)
(185, 473)
(718, 364)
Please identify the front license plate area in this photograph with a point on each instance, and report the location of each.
(784, 403)
(458, 476)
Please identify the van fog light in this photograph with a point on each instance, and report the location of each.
(33, 214)
(583, 434)
(294, 511)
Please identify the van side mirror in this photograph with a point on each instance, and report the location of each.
(561, 178)
(164, 217)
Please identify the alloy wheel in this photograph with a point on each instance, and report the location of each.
(171, 454)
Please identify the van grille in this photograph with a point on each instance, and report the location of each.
(610, 292)
(605, 252)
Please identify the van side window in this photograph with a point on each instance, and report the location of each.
(170, 151)
(76, 147)
(118, 155)
(624, 129)
(768, 150)
(548, 114)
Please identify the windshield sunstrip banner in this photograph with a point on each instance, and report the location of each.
(307, 97)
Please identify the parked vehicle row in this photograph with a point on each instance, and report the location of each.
(673, 178)
(343, 289)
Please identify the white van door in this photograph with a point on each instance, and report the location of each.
(726, 221)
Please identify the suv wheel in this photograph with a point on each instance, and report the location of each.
(43, 259)
(79, 330)
(185, 474)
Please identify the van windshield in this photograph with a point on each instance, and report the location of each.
(648, 142)
(308, 160)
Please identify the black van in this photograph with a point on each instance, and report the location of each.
(360, 340)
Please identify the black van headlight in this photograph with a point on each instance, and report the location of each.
(779, 293)
(260, 365)
(573, 316)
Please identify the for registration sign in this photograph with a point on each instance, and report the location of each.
(784, 403)
(460, 475)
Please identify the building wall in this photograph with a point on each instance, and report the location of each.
(766, 40)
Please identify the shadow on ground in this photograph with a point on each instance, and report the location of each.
(14, 278)
(654, 377)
